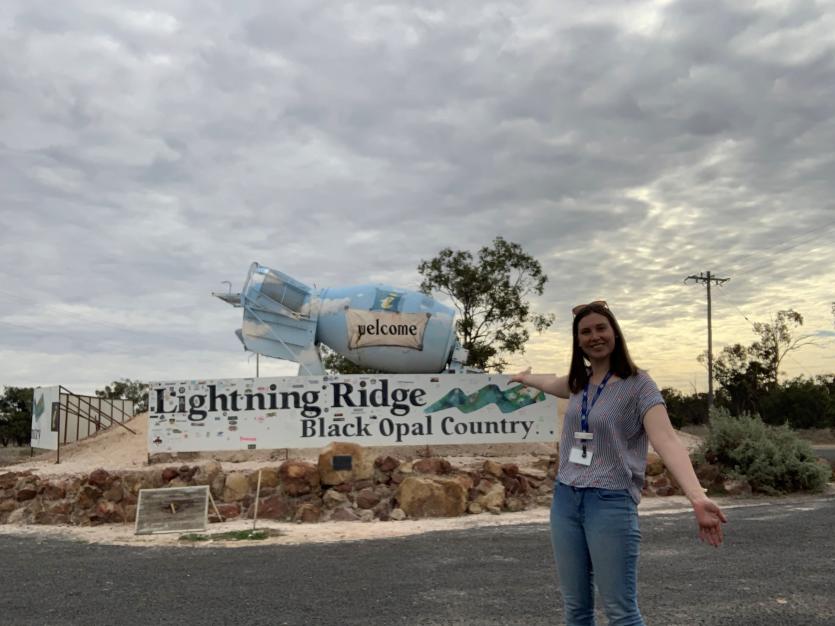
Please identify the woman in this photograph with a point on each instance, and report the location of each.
(614, 409)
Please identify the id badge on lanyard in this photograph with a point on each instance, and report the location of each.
(580, 454)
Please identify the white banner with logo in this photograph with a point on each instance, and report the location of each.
(370, 410)
(45, 411)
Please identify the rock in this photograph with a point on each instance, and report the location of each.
(535, 474)
(307, 513)
(383, 510)
(7, 505)
(275, 507)
(512, 486)
(492, 468)
(205, 474)
(386, 463)
(654, 464)
(465, 480)
(59, 508)
(493, 498)
(236, 487)
(218, 485)
(27, 492)
(383, 491)
(333, 498)
(185, 473)
(544, 501)
(362, 468)
(397, 515)
(658, 482)
(431, 497)
(9, 479)
(114, 493)
(432, 466)
(99, 478)
(133, 482)
(734, 487)
(344, 514)
(510, 469)
(227, 510)
(708, 474)
(54, 490)
(18, 516)
(494, 510)
(88, 495)
(269, 479)
(107, 512)
(475, 508)
(169, 474)
(367, 498)
(366, 516)
(298, 477)
(485, 485)
(514, 504)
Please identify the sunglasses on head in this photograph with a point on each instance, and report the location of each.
(580, 307)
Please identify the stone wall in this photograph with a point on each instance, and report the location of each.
(382, 488)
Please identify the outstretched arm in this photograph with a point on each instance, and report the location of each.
(549, 383)
(663, 438)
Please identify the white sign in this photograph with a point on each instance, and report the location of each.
(44, 431)
(371, 410)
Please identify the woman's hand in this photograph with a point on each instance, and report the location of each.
(710, 519)
(520, 377)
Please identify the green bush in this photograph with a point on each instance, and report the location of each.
(773, 459)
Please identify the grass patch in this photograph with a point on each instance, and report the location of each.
(232, 535)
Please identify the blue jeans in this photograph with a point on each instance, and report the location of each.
(596, 539)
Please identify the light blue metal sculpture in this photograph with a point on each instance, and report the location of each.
(375, 326)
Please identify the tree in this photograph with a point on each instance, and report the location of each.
(777, 340)
(802, 402)
(685, 410)
(129, 390)
(742, 379)
(16, 416)
(491, 296)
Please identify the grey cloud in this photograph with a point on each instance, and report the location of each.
(148, 153)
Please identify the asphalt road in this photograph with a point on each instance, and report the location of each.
(776, 568)
(825, 452)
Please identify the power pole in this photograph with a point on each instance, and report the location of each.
(707, 279)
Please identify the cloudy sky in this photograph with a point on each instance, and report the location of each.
(149, 151)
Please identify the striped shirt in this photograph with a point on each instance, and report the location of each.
(620, 442)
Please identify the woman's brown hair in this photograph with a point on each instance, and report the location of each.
(621, 363)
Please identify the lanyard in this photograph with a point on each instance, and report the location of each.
(585, 409)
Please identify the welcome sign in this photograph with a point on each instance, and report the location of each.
(374, 328)
(371, 410)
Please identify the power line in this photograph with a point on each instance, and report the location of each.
(707, 279)
(782, 247)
